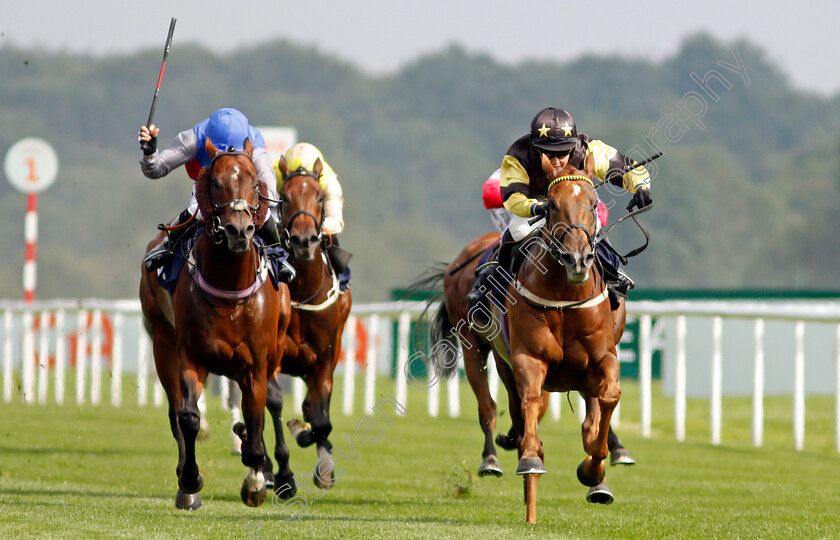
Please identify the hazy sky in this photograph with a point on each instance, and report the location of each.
(381, 35)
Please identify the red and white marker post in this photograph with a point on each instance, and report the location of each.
(31, 165)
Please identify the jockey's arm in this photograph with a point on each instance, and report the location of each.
(608, 160)
(514, 183)
(180, 151)
(265, 171)
(333, 201)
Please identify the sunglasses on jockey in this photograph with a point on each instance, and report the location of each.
(557, 153)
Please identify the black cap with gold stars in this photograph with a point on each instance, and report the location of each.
(553, 130)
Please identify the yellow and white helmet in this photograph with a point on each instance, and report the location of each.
(303, 155)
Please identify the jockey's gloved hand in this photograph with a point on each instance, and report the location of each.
(641, 199)
(148, 140)
(540, 209)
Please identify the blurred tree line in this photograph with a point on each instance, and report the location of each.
(746, 195)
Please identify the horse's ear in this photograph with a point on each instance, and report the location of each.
(210, 148)
(318, 167)
(283, 167)
(589, 165)
(249, 147)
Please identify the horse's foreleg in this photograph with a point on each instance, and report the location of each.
(189, 420)
(284, 481)
(253, 450)
(475, 366)
(529, 374)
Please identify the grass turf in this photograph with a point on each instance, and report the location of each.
(98, 472)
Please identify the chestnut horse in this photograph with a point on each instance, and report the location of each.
(224, 318)
(554, 332)
(313, 338)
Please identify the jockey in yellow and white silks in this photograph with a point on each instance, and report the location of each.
(305, 155)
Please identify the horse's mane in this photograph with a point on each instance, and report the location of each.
(205, 201)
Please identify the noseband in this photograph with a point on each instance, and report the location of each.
(236, 205)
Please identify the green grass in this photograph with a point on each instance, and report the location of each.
(98, 472)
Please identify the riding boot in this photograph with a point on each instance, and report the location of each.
(479, 294)
(158, 255)
(268, 232)
(618, 282)
(274, 251)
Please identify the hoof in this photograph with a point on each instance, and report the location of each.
(269, 480)
(621, 457)
(296, 427)
(191, 488)
(490, 467)
(587, 480)
(187, 501)
(324, 479)
(252, 498)
(505, 442)
(285, 490)
(530, 466)
(600, 494)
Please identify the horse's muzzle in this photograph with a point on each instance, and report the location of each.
(239, 237)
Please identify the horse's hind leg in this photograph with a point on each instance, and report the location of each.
(284, 481)
(475, 366)
(618, 454)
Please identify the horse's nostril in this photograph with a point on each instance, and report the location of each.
(566, 259)
(249, 230)
(295, 241)
(230, 230)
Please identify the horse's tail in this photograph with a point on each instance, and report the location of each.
(440, 331)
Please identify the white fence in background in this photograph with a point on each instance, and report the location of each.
(41, 341)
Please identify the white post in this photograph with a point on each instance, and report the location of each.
(96, 358)
(679, 392)
(60, 356)
(581, 408)
(717, 380)
(453, 395)
(157, 393)
(43, 357)
(350, 365)
(370, 363)
(116, 360)
(492, 376)
(615, 419)
(298, 391)
(645, 373)
(758, 383)
(433, 394)
(837, 386)
(403, 329)
(224, 392)
(81, 355)
(28, 358)
(142, 365)
(555, 403)
(799, 386)
(7, 356)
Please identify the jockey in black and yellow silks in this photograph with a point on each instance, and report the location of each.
(553, 138)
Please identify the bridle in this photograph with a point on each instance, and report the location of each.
(319, 224)
(555, 244)
(215, 228)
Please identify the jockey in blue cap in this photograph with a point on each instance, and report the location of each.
(227, 128)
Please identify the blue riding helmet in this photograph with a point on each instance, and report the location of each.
(227, 128)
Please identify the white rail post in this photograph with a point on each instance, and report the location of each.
(142, 365)
(60, 356)
(837, 386)
(615, 419)
(645, 373)
(117, 360)
(433, 393)
(81, 355)
(43, 357)
(96, 358)
(555, 403)
(403, 329)
(7, 355)
(453, 397)
(581, 408)
(350, 366)
(298, 391)
(717, 380)
(758, 383)
(799, 386)
(28, 358)
(679, 391)
(492, 376)
(370, 363)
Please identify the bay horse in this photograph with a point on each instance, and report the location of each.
(313, 338)
(224, 318)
